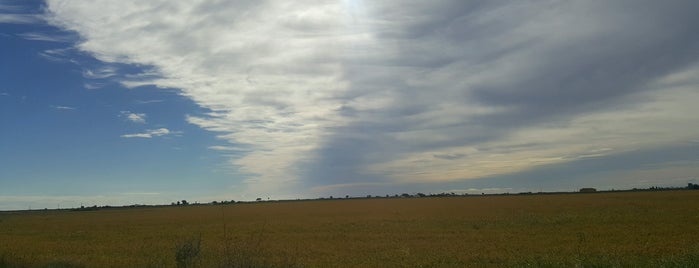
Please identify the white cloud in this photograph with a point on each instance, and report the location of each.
(148, 101)
(17, 14)
(227, 148)
(58, 54)
(100, 73)
(149, 133)
(93, 85)
(59, 107)
(44, 37)
(269, 82)
(134, 117)
(19, 18)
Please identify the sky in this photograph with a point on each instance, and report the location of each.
(150, 102)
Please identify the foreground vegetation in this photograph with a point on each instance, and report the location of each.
(630, 229)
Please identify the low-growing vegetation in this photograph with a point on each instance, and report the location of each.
(628, 229)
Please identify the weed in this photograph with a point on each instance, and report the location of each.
(187, 253)
(3, 262)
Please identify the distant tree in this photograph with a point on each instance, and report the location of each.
(421, 195)
(346, 196)
(259, 199)
(178, 203)
(405, 195)
(184, 202)
(368, 196)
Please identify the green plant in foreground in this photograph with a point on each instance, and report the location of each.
(3, 262)
(187, 253)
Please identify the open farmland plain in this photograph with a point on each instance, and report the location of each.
(639, 229)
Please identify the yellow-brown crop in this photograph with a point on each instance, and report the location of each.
(607, 229)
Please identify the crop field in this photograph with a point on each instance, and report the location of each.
(637, 229)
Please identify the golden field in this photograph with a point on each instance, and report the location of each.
(646, 229)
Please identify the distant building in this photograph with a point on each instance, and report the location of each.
(588, 190)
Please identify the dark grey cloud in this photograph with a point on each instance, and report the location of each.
(534, 63)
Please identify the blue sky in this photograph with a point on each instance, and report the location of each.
(159, 101)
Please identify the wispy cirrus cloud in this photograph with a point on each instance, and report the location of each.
(36, 36)
(64, 108)
(149, 133)
(351, 93)
(17, 14)
(93, 85)
(148, 101)
(100, 73)
(58, 54)
(133, 117)
(19, 18)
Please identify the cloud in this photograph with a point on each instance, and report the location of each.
(134, 117)
(371, 93)
(93, 85)
(100, 73)
(34, 36)
(57, 54)
(148, 101)
(19, 18)
(16, 14)
(59, 107)
(149, 133)
(227, 148)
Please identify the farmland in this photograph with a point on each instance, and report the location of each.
(646, 229)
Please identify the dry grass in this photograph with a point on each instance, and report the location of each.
(605, 229)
